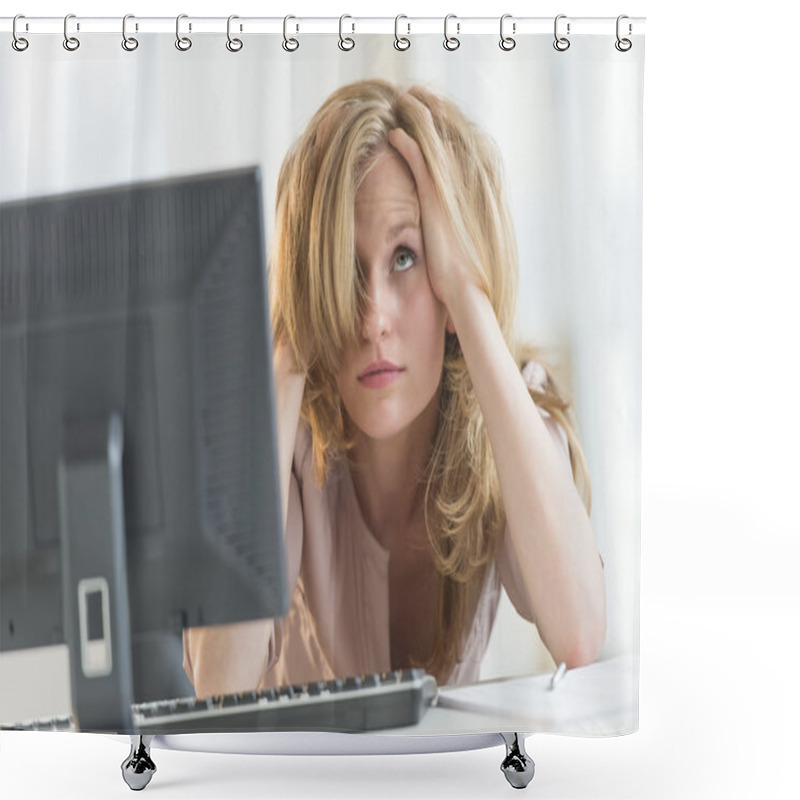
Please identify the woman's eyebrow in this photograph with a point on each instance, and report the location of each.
(397, 229)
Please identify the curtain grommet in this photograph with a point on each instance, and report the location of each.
(129, 43)
(507, 43)
(289, 44)
(561, 43)
(451, 43)
(233, 44)
(19, 43)
(71, 43)
(346, 43)
(401, 43)
(183, 43)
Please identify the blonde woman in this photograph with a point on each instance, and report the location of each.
(426, 459)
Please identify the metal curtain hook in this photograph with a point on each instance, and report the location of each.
(401, 42)
(345, 42)
(507, 42)
(18, 42)
(129, 43)
(561, 43)
(70, 42)
(234, 45)
(290, 45)
(451, 42)
(623, 45)
(182, 42)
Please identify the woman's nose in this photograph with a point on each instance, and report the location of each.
(376, 322)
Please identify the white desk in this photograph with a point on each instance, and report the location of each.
(598, 700)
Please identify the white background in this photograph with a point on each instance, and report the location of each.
(720, 611)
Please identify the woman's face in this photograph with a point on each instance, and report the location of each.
(392, 374)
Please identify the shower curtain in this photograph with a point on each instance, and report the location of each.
(91, 109)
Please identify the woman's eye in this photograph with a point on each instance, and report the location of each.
(403, 260)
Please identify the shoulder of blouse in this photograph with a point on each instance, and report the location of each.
(534, 375)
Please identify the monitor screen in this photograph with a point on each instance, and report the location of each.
(139, 489)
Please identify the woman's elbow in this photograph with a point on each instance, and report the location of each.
(585, 643)
(583, 652)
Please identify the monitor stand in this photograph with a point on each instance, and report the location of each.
(95, 585)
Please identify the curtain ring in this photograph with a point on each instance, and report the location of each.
(129, 43)
(233, 45)
(561, 43)
(346, 43)
(507, 42)
(401, 42)
(289, 45)
(18, 42)
(451, 42)
(70, 42)
(183, 43)
(623, 45)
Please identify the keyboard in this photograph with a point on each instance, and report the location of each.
(364, 703)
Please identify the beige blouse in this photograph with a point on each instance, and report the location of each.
(338, 622)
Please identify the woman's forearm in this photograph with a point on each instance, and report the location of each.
(551, 538)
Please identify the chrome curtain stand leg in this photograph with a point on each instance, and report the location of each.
(517, 766)
(138, 768)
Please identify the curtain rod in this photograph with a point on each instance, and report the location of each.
(349, 25)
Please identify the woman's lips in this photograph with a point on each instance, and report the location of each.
(379, 374)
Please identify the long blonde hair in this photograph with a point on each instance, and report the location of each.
(318, 300)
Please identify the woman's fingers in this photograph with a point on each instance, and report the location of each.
(443, 254)
(431, 209)
(412, 155)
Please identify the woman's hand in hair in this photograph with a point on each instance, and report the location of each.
(450, 270)
(289, 387)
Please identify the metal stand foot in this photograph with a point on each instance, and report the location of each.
(138, 768)
(518, 766)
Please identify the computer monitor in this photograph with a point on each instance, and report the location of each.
(139, 488)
